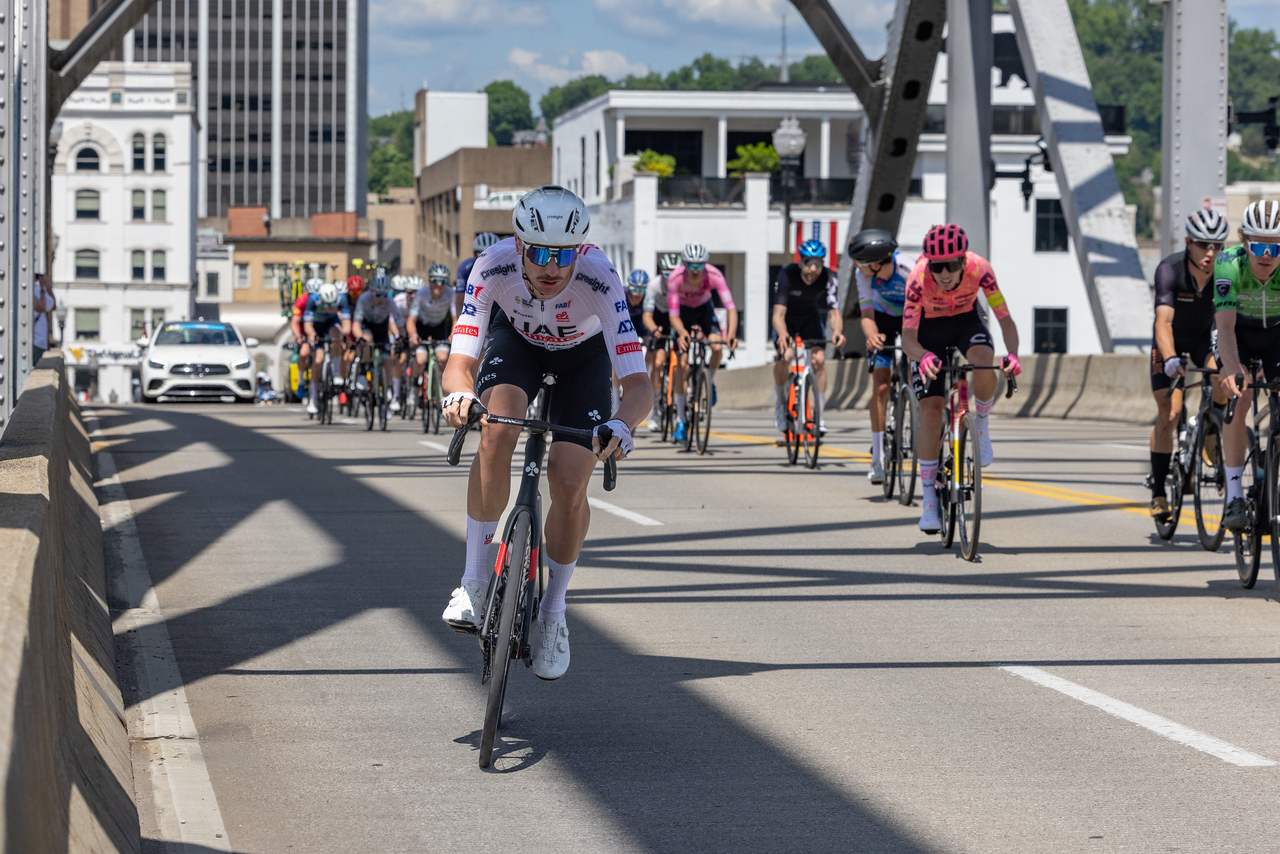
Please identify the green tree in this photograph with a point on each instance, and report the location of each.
(509, 110)
(758, 157)
(1254, 76)
(388, 167)
(398, 126)
(817, 69)
(652, 161)
(562, 99)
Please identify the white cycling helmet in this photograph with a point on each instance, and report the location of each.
(328, 294)
(313, 285)
(484, 240)
(1207, 225)
(553, 217)
(1261, 219)
(695, 253)
(341, 286)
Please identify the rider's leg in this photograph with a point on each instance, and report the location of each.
(442, 358)
(682, 376)
(818, 361)
(983, 384)
(337, 351)
(1236, 439)
(1168, 410)
(717, 352)
(929, 449)
(419, 363)
(879, 403)
(489, 484)
(569, 468)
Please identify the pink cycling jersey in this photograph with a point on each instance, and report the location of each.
(926, 298)
(680, 292)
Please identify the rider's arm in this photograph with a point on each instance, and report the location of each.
(1226, 320)
(780, 322)
(1010, 332)
(911, 343)
(646, 320)
(1164, 332)
(833, 308)
(412, 325)
(356, 329)
(837, 324)
(732, 320)
(309, 330)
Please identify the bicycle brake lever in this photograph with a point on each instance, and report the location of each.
(605, 435)
(474, 415)
(1010, 387)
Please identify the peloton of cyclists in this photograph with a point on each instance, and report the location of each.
(376, 323)
(801, 293)
(1246, 278)
(689, 289)
(325, 315)
(560, 309)
(657, 322)
(940, 311)
(881, 274)
(1184, 324)
(430, 318)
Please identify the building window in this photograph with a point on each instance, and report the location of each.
(88, 203)
(211, 284)
(139, 205)
(139, 153)
(117, 97)
(1051, 330)
(87, 324)
(157, 317)
(86, 263)
(137, 323)
(138, 261)
(242, 276)
(597, 163)
(915, 189)
(157, 205)
(157, 265)
(87, 160)
(1051, 226)
(582, 184)
(157, 153)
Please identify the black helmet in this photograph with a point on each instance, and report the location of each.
(872, 245)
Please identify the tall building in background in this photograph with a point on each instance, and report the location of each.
(280, 98)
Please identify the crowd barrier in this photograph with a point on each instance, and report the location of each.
(64, 747)
(1105, 387)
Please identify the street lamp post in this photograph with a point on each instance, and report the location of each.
(788, 141)
(61, 312)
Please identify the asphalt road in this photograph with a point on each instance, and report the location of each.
(783, 664)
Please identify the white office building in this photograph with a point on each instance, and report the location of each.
(123, 214)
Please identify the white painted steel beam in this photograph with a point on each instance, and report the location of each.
(970, 57)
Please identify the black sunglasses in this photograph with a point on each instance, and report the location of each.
(952, 266)
(1208, 245)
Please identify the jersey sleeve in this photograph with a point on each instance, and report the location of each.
(360, 310)
(674, 283)
(1165, 281)
(396, 315)
(913, 305)
(781, 289)
(468, 332)
(866, 296)
(625, 351)
(344, 309)
(833, 291)
(987, 281)
(721, 287)
(1225, 286)
(309, 311)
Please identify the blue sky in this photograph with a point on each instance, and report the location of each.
(462, 45)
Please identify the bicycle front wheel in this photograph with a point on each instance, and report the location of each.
(791, 435)
(810, 438)
(1209, 479)
(695, 380)
(906, 418)
(701, 427)
(384, 403)
(1270, 502)
(1173, 485)
(968, 505)
(504, 640)
(889, 449)
(1247, 543)
(946, 502)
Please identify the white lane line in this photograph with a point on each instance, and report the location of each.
(186, 806)
(349, 421)
(435, 446)
(1142, 448)
(1161, 726)
(630, 515)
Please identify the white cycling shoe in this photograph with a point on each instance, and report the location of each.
(930, 522)
(653, 425)
(395, 405)
(466, 606)
(985, 452)
(549, 648)
(312, 409)
(875, 474)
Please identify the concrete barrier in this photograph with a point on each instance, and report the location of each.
(64, 748)
(1099, 388)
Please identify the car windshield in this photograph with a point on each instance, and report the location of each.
(207, 334)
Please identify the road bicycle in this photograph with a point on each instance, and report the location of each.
(511, 602)
(430, 392)
(328, 390)
(373, 394)
(1197, 466)
(698, 391)
(1258, 482)
(666, 393)
(902, 414)
(959, 484)
(801, 414)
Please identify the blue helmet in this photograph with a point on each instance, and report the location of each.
(813, 249)
(638, 281)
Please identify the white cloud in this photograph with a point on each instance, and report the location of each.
(609, 63)
(633, 18)
(454, 14)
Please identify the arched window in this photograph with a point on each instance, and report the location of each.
(87, 160)
(157, 265)
(87, 204)
(139, 264)
(139, 153)
(86, 263)
(157, 153)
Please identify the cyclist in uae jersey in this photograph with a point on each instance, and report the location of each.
(558, 308)
(689, 289)
(880, 273)
(940, 312)
(1246, 281)
(656, 318)
(430, 320)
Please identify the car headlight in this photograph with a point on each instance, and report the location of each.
(152, 363)
(241, 366)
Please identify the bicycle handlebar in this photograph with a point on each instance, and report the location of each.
(477, 411)
(1009, 388)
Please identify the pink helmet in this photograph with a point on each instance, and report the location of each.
(944, 242)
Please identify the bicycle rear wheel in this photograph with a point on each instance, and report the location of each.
(1271, 501)
(1247, 543)
(905, 418)
(968, 507)
(791, 435)
(695, 379)
(701, 427)
(889, 449)
(503, 643)
(1209, 479)
(1173, 483)
(810, 439)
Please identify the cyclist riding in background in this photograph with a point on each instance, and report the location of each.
(1184, 324)
(326, 315)
(689, 289)
(657, 321)
(430, 318)
(403, 289)
(377, 322)
(295, 319)
(560, 311)
(940, 311)
(801, 293)
(483, 241)
(1246, 277)
(880, 273)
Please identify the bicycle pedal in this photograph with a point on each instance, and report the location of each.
(463, 628)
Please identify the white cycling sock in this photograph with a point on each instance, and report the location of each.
(822, 404)
(479, 536)
(781, 392)
(395, 386)
(711, 375)
(928, 478)
(551, 608)
(877, 446)
(657, 403)
(336, 364)
(982, 408)
(680, 401)
(1235, 483)
(315, 392)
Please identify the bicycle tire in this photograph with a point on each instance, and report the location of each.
(665, 417)
(504, 635)
(384, 402)
(810, 438)
(946, 507)
(326, 393)
(437, 397)
(791, 436)
(1210, 482)
(1271, 501)
(1247, 543)
(366, 399)
(890, 452)
(691, 389)
(1173, 484)
(968, 509)
(702, 422)
(908, 460)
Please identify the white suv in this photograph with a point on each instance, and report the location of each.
(197, 360)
